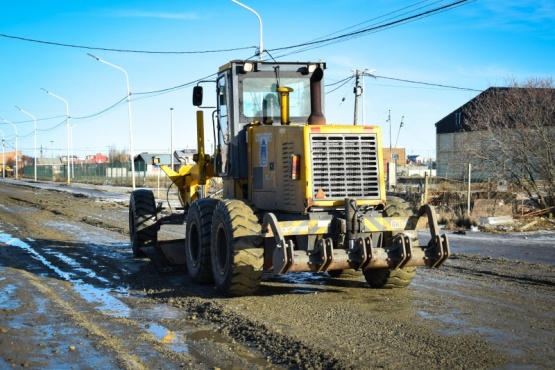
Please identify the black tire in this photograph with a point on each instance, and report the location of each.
(197, 239)
(390, 278)
(236, 248)
(397, 207)
(394, 278)
(345, 274)
(143, 225)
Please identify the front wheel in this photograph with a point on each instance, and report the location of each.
(237, 255)
(390, 278)
(394, 278)
(345, 274)
(197, 239)
(143, 225)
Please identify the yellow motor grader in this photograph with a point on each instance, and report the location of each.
(299, 195)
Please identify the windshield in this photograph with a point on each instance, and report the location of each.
(260, 100)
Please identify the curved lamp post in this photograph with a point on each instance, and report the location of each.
(67, 124)
(16, 149)
(261, 48)
(129, 112)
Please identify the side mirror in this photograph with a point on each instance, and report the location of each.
(197, 96)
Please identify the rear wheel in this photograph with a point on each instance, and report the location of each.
(197, 239)
(237, 255)
(394, 278)
(143, 226)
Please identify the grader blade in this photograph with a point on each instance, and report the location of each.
(167, 255)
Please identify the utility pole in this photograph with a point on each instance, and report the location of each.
(358, 91)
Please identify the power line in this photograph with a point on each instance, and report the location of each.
(345, 81)
(361, 23)
(169, 89)
(426, 83)
(343, 37)
(102, 111)
(374, 28)
(307, 45)
(122, 50)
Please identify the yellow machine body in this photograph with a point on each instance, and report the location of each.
(297, 194)
(334, 162)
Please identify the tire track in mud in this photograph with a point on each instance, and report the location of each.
(538, 274)
(328, 326)
(284, 350)
(136, 337)
(109, 341)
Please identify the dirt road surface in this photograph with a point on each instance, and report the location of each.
(72, 296)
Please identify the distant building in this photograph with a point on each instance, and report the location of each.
(9, 157)
(145, 160)
(185, 156)
(97, 158)
(453, 135)
(415, 159)
(451, 139)
(395, 155)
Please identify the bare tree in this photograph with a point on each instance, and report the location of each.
(117, 156)
(513, 136)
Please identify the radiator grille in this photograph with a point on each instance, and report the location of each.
(345, 165)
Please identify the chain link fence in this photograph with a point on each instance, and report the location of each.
(458, 201)
(115, 174)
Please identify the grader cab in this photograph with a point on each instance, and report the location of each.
(298, 194)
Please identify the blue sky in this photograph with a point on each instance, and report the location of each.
(476, 45)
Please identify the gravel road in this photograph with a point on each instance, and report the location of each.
(72, 296)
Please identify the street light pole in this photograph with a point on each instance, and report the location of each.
(72, 167)
(16, 161)
(129, 112)
(35, 120)
(261, 48)
(3, 156)
(67, 125)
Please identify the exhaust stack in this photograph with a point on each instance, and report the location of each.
(316, 116)
(284, 103)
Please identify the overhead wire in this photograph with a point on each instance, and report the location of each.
(362, 32)
(320, 42)
(426, 83)
(123, 50)
(345, 81)
(365, 22)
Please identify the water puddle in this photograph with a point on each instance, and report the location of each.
(103, 299)
(176, 341)
(456, 325)
(304, 282)
(75, 265)
(6, 297)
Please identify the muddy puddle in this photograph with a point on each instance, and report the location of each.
(106, 300)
